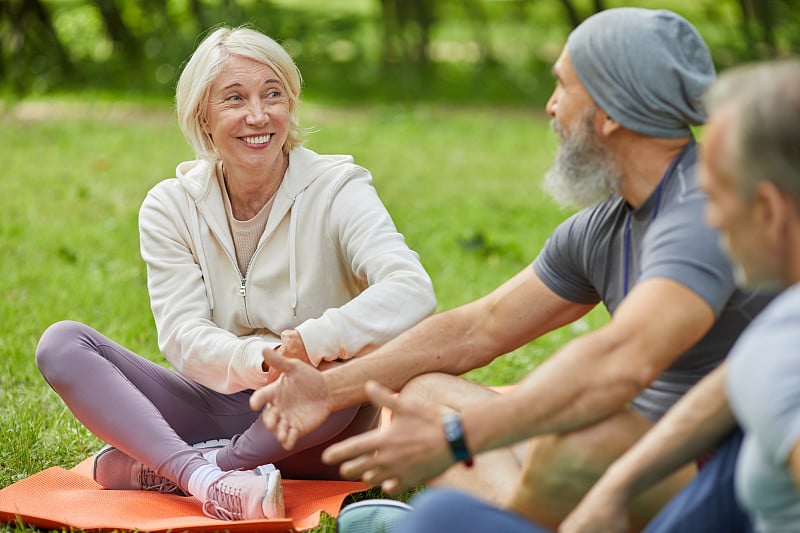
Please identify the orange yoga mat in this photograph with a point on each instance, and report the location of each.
(58, 498)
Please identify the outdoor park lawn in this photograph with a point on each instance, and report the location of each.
(462, 184)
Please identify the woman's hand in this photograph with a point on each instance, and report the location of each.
(291, 347)
(295, 404)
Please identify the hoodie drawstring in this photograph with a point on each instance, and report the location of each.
(293, 216)
(201, 256)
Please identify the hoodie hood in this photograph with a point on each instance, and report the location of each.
(199, 179)
(305, 166)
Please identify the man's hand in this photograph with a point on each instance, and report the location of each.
(294, 405)
(410, 451)
(602, 510)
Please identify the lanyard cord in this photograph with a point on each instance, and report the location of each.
(628, 219)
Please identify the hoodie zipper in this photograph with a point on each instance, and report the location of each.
(242, 279)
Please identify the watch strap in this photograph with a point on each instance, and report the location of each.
(454, 433)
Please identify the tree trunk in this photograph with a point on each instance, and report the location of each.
(572, 13)
(116, 28)
(196, 9)
(746, 12)
(766, 18)
(480, 25)
(37, 9)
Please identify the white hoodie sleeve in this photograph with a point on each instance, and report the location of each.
(189, 339)
(399, 292)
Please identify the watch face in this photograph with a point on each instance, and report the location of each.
(455, 437)
(451, 429)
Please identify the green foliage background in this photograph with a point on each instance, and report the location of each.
(349, 50)
(456, 140)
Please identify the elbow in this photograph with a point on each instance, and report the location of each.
(420, 292)
(427, 300)
(635, 381)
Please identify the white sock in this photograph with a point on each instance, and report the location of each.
(211, 456)
(201, 479)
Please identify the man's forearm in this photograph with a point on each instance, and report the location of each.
(574, 388)
(598, 374)
(441, 343)
(691, 428)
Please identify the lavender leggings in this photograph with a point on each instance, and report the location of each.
(154, 414)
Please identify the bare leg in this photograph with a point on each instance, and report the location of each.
(494, 474)
(544, 478)
(560, 469)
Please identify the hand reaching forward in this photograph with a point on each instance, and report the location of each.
(295, 404)
(410, 451)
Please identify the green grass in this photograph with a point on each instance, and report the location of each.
(462, 185)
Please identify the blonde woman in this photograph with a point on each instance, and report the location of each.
(258, 245)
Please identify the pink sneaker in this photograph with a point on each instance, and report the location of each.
(246, 495)
(114, 470)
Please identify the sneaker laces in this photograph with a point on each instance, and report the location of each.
(150, 480)
(224, 502)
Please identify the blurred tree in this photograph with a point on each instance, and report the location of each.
(406, 31)
(118, 30)
(28, 40)
(196, 9)
(480, 29)
(573, 16)
(419, 45)
(758, 25)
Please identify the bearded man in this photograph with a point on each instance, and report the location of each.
(629, 86)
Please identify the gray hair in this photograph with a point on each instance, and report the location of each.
(194, 84)
(763, 100)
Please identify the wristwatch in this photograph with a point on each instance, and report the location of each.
(454, 433)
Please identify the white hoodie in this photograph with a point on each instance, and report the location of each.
(330, 264)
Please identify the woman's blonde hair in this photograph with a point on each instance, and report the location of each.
(194, 84)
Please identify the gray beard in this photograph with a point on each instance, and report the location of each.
(584, 172)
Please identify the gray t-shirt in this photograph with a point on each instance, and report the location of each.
(585, 259)
(763, 388)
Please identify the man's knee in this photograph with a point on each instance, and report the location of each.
(590, 449)
(560, 464)
(560, 468)
(446, 389)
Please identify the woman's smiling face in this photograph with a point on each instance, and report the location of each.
(247, 116)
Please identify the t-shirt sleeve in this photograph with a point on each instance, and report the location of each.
(681, 247)
(784, 420)
(763, 381)
(562, 262)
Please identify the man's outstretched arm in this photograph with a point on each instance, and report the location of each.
(453, 342)
(590, 378)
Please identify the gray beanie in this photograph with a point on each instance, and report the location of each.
(648, 69)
